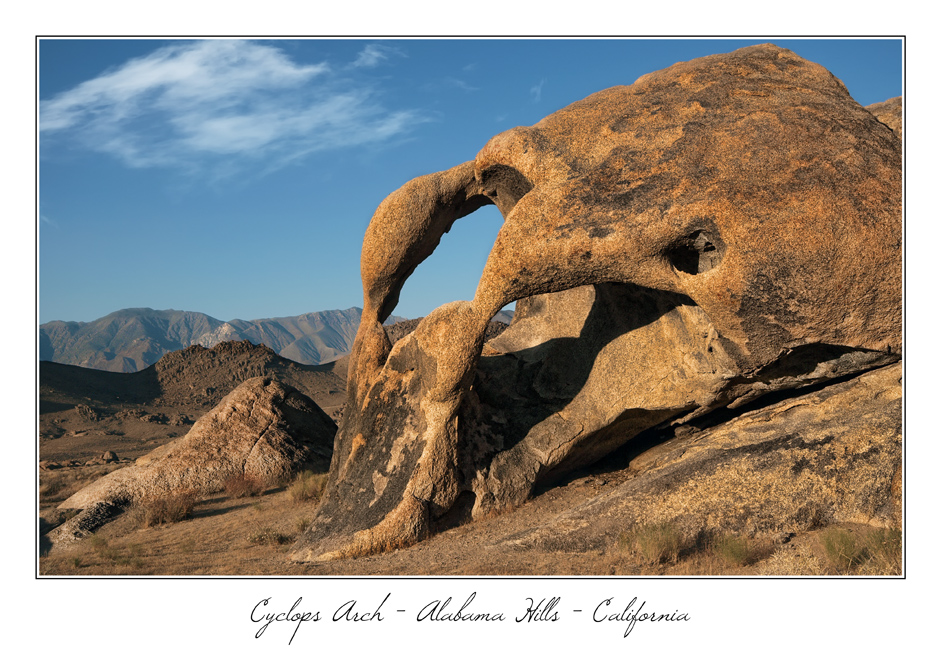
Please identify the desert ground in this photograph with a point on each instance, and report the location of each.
(86, 415)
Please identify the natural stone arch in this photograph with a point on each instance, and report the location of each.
(742, 210)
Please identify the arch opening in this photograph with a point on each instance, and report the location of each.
(453, 270)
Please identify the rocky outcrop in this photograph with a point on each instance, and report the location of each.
(832, 456)
(889, 113)
(263, 428)
(719, 230)
(82, 524)
(398, 331)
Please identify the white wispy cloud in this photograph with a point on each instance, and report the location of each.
(373, 54)
(447, 85)
(460, 84)
(536, 91)
(220, 99)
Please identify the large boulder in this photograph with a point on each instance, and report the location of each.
(719, 230)
(263, 428)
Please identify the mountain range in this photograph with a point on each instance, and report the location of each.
(130, 340)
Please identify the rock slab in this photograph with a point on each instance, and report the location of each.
(832, 456)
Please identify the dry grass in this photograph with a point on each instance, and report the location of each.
(732, 549)
(307, 486)
(244, 484)
(655, 549)
(126, 555)
(735, 551)
(215, 540)
(269, 536)
(168, 509)
(51, 487)
(57, 485)
(855, 552)
(844, 550)
(792, 560)
(662, 549)
(230, 536)
(885, 552)
(838, 550)
(653, 543)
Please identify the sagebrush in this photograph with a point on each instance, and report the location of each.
(654, 543)
(168, 509)
(307, 486)
(244, 484)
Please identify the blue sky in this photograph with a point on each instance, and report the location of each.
(237, 178)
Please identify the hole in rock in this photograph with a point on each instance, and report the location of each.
(453, 270)
(698, 252)
(504, 185)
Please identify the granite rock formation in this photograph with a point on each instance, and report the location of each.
(722, 229)
(263, 428)
(832, 456)
(889, 113)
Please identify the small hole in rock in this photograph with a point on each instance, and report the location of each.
(696, 253)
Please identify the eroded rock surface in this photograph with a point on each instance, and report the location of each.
(264, 428)
(831, 456)
(889, 113)
(721, 229)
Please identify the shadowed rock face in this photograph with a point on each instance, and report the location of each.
(831, 456)
(720, 229)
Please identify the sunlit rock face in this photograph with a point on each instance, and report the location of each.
(718, 230)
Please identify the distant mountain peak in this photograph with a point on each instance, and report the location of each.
(131, 339)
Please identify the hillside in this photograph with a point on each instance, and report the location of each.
(84, 412)
(130, 340)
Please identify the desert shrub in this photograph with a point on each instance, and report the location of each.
(307, 486)
(244, 484)
(654, 543)
(168, 509)
(884, 546)
(51, 486)
(270, 537)
(129, 555)
(878, 552)
(134, 550)
(733, 550)
(98, 542)
(844, 550)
